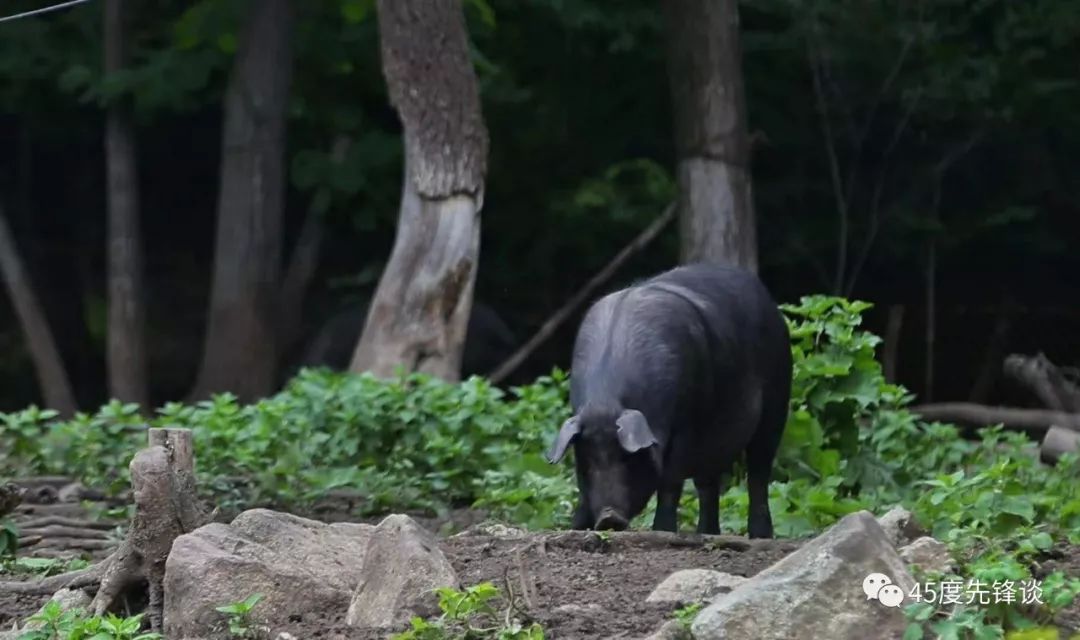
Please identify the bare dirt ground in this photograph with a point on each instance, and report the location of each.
(576, 584)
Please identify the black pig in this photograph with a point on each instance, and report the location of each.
(674, 378)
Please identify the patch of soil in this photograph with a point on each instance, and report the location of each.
(1064, 558)
(14, 608)
(575, 585)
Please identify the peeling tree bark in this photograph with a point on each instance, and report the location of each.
(421, 307)
(48, 365)
(126, 351)
(240, 350)
(716, 210)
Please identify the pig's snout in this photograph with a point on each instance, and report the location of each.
(610, 519)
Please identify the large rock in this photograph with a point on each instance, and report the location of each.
(671, 630)
(301, 567)
(694, 585)
(403, 567)
(817, 591)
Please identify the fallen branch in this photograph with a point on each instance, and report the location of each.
(79, 544)
(59, 531)
(58, 509)
(564, 312)
(80, 579)
(1045, 380)
(57, 482)
(59, 521)
(1036, 421)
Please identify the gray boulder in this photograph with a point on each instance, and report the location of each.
(694, 585)
(403, 567)
(928, 555)
(819, 591)
(901, 526)
(301, 567)
(671, 630)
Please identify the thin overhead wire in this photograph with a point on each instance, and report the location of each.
(55, 7)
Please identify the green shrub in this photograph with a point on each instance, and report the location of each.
(414, 442)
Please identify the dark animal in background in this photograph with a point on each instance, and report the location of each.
(488, 341)
(674, 378)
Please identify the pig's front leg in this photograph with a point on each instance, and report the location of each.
(582, 515)
(667, 508)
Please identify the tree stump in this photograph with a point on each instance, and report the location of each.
(166, 506)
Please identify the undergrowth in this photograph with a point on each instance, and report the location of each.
(479, 612)
(851, 443)
(74, 624)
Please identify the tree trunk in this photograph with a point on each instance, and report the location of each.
(421, 307)
(126, 351)
(240, 349)
(51, 374)
(892, 342)
(716, 211)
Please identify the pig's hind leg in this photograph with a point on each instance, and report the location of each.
(760, 454)
(708, 490)
(667, 507)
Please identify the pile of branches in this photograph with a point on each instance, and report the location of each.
(1056, 389)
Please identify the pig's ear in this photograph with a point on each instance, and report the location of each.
(634, 432)
(570, 429)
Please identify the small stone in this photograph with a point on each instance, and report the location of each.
(492, 529)
(928, 554)
(285, 635)
(72, 492)
(579, 609)
(694, 585)
(901, 526)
